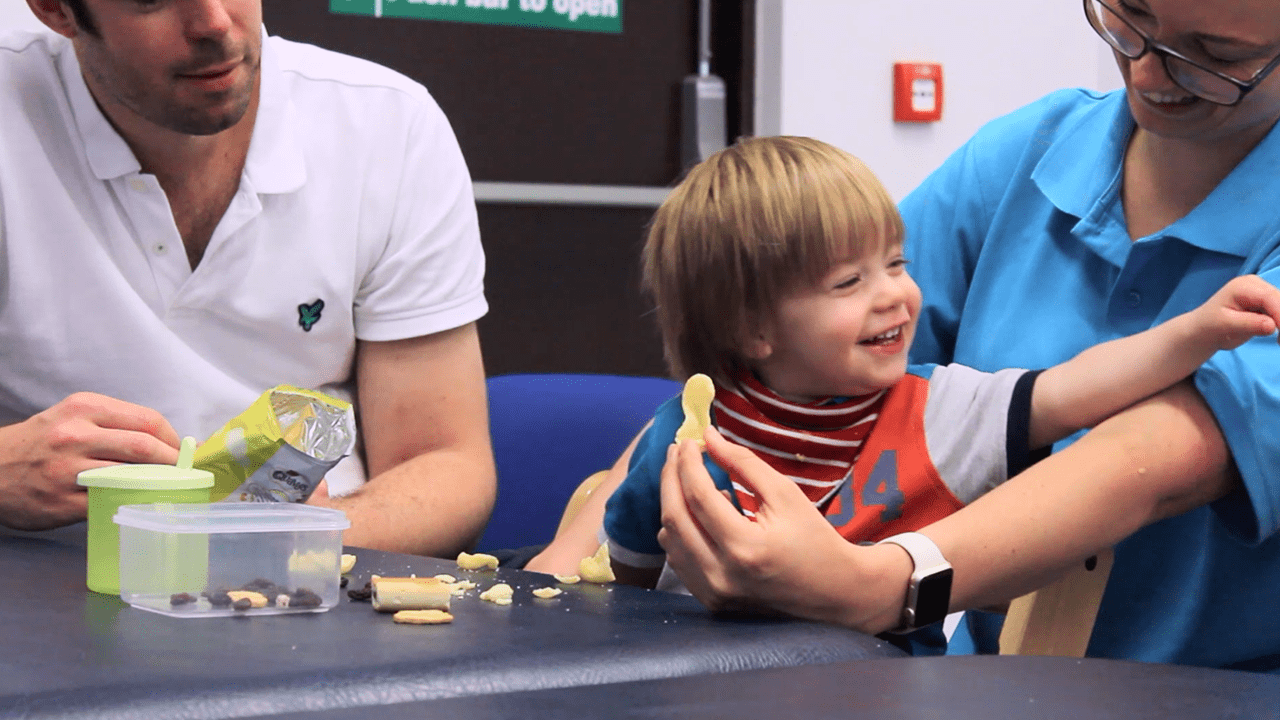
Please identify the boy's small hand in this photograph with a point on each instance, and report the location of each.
(1244, 308)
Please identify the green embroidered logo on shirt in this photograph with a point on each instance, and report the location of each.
(309, 315)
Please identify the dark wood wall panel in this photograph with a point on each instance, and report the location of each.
(554, 106)
(539, 105)
(571, 303)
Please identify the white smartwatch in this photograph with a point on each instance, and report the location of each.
(929, 592)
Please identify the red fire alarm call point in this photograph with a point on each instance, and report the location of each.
(917, 92)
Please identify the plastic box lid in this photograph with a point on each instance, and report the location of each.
(213, 518)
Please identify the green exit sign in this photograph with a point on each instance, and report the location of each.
(586, 15)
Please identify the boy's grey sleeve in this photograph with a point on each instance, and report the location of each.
(976, 427)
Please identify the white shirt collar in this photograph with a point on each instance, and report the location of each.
(275, 163)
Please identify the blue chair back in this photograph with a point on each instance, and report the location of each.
(549, 433)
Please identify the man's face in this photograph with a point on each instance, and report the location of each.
(189, 66)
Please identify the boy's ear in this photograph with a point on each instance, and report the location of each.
(757, 339)
(757, 347)
(56, 15)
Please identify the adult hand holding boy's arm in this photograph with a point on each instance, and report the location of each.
(424, 421)
(790, 560)
(41, 456)
(1161, 457)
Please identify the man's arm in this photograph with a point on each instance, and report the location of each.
(1157, 459)
(1109, 377)
(41, 456)
(423, 415)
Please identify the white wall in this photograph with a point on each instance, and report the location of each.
(15, 15)
(835, 62)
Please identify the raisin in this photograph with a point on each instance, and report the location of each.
(181, 599)
(218, 598)
(363, 594)
(304, 598)
(264, 587)
(342, 582)
(242, 604)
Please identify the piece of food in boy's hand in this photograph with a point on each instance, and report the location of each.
(567, 579)
(597, 568)
(546, 593)
(478, 561)
(422, 617)
(348, 562)
(696, 399)
(499, 594)
(401, 593)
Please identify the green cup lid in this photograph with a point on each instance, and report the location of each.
(151, 477)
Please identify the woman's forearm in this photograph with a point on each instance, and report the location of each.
(1162, 457)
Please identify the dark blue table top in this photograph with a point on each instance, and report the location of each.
(69, 652)
(951, 688)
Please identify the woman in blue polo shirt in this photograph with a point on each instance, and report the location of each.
(1081, 218)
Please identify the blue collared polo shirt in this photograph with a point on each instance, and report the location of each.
(1020, 246)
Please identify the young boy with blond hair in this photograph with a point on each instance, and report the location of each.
(777, 270)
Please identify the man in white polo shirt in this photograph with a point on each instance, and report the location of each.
(192, 212)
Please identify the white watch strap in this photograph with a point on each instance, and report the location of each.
(924, 553)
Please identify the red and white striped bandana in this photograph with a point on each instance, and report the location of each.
(815, 444)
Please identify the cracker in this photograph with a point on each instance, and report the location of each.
(422, 617)
(695, 400)
(546, 593)
(597, 568)
(478, 561)
(348, 561)
(256, 599)
(499, 594)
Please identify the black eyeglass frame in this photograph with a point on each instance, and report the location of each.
(1164, 52)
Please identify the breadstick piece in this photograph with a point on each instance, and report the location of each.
(696, 399)
(401, 593)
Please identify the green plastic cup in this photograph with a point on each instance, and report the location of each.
(111, 487)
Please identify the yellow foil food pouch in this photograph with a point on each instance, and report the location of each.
(279, 449)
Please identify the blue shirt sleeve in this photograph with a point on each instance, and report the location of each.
(1242, 388)
(633, 514)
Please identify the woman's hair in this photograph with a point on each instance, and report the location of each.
(750, 223)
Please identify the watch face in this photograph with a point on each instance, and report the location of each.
(933, 597)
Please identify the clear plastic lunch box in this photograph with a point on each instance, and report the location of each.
(191, 560)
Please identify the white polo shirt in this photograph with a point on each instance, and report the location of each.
(354, 194)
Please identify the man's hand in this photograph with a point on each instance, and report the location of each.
(41, 456)
(789, 560)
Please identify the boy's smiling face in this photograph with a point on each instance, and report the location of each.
(846, 335)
